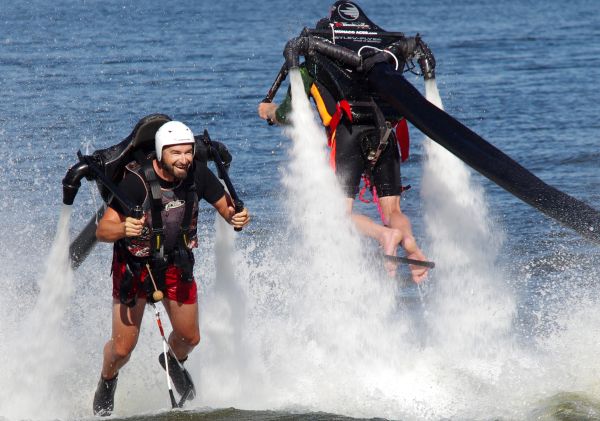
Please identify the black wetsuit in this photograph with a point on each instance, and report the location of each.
(353, 141)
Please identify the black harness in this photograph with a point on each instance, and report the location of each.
(157, 263)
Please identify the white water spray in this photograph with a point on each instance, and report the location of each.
(471, 312)
(322, 329)
(223, 325)
(332, 301)
(40, 351)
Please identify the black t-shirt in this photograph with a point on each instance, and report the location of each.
(208, 187)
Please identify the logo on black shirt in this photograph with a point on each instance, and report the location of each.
(174, 204)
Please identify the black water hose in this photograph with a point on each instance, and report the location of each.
(305, 45)
(203, 154)
(426, 68)
(404, 47)
(294, 48)
(485, 158)
(415, 47)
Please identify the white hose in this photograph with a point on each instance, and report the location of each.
(379, 49)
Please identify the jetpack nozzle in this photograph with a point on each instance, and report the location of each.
(72, 181)
(294, 48)
(425, 59)
(427, 68)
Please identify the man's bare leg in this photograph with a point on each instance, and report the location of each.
(388, 238)
(182, 340)
(186, 332)
(390, 206)
(126, 322)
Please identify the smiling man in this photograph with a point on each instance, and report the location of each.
(154, 253)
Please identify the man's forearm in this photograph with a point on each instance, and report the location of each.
(110, 231)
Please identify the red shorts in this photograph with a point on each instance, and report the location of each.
(176, 288)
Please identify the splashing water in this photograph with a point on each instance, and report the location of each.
(305, 322)
(320, 331)
(40, 350)
(471, 311)
(323, 330)
(335, 337)
(479, 313)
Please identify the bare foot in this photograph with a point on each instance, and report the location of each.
(419, 273)
(389, 240)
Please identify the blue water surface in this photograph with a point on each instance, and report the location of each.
(79, 75)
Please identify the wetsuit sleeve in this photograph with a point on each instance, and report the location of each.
(133, 188)
(208, 186)
(285, 107)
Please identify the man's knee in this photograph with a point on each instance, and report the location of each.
(193, 339)
(122, 350)
(190, 338)
(390, 205)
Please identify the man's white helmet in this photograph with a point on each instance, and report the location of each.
(172, 133)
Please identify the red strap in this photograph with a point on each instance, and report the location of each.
(403, 139)
(361, 196)
(367, 184)
(341, 108)
(332, 143)
(345, 106)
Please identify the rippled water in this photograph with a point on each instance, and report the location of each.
(524, 75)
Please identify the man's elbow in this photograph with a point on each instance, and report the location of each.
(102, 234)
(99, 234)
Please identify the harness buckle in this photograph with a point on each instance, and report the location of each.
(374, 155)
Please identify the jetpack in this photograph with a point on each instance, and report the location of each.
(107, 167)
(364, 53)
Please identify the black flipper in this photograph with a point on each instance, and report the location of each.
(181, 379)
(104, 398)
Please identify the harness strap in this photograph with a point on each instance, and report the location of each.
(188, 214)
(374, 155)
(368, 185)
(384, 128)
(342, 108)
(156, 200)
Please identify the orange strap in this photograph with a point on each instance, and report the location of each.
(331, 143)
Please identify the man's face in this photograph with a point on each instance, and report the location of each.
(177, 159)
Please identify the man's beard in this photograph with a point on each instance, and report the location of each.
(171, 170)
